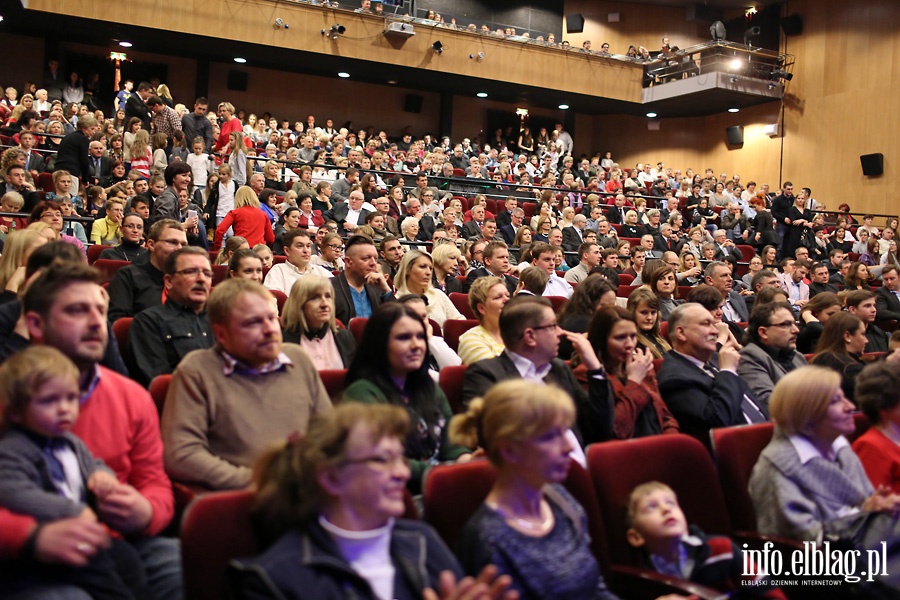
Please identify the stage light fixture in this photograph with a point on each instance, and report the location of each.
(437, 47)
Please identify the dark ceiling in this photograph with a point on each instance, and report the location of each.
(68, 29)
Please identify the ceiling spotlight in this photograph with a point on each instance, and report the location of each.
(392, 82)
(240, 60)
(734, 110)
(438, 47)
(335, 31)
(651, 115)
(717, 31)
(563, 106)
(481, 94)
(781, 74)
(122, 43)
(343, 75)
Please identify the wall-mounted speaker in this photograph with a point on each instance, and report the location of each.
(735, 135)
(413, 103)
(575, 23)
(872, 164)
(237, 81)
(792, 25)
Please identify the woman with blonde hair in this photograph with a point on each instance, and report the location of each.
(414, 276)
(272, 172)
(487, 297)
(141, 155)
(18, 247)
(231, 245)
(247, 220)
(308, 319)
(446, 268)
(237, 157)
(528, 524)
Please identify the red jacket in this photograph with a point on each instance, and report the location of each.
(250, 223)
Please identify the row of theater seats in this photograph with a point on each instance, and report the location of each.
(712, 491)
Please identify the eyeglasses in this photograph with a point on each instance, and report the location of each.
(550, 326)
(336, 248)
(195, 271)
(782, 325)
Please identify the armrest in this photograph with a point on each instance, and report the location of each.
(633, 582)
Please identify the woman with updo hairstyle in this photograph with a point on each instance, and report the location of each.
(328, 508)
(487, 297)
(644, 306)
(528, 525)
(308, 320)
(808, 485)
(272, 172)
(391, 367)
(246, 264)
(878, 395)
(813, 317)
(591, 295)
(840, 349)
(639, 408)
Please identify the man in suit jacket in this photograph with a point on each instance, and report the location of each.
(101, 166)
(73, 151)
(361, 274)
(340, 189)
(820, 280)
(136, 105)
(616, 213)
(793, 284)
(427, 225)
(349, 215)
(509, 231)
(725, 248)
(383, 205)
(718, 275)
(472, 228)
(700, 387)
(887, 297)
(34, 162)
(504, 217)
(771, 352)
(496, 263)
(531, 334)
(573, 237)
(667, 240)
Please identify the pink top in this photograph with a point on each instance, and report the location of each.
(323, 352)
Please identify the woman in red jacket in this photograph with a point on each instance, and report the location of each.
(247, 220)
(309, 219)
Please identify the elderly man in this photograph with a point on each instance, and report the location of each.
(340, 189)
(701, 386)
(161, 336)
(509, 231)
(573, 235)
(531, 335)
(771, 349)
(351, 214)
(227, 404)
(725, 248)
(718, 275)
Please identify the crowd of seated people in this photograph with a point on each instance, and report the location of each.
(238, 282)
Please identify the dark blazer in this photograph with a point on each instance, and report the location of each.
(737, 302)
(595, 407)
(733, 254)
(136, 107)
(343, 301)
(470, 230)
(427, 227)
(613, 215)
(105, 167)
(504, 217)
(72, 155)
(339, 214)
(818, 288)
(510, 281)
(661, 244)
(878, 338)
(700, 402)
(571, 239)
(35, 162)
(343, 339)
(887, 303)
(450, 285)
(508, 233)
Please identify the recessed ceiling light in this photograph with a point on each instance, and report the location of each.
(652, 115)
(563, 106)
(734, 110)
(343, 75)
(481, 94)
(392, 82)
(240, 60)
(125, 44)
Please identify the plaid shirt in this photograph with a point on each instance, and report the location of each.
(165, 121)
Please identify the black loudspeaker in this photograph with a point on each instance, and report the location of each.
(237, 81)
(413, 103)
(735, 135)
(575, 23)
(872, 164)
(792, 25)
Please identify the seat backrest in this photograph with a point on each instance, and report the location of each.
(679, 461)
(625, 278)
(453, 328)
(159, 387)
(664, 330)
(357, 325)
(220, 274)
(451, 382)
(216, 529)
(736, 450)
(120, 330)
(94, 251)
(334, 381)
(558, 302)
(109, 267)
(461, 302)
(625, 290)
(280, 298)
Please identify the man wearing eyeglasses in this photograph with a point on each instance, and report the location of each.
(161, 336)
(139, 286)
(772, 349)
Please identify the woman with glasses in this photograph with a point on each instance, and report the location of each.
(328, 508)
(391, 367)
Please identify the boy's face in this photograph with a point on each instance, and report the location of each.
(53, 409)
(658, 520)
